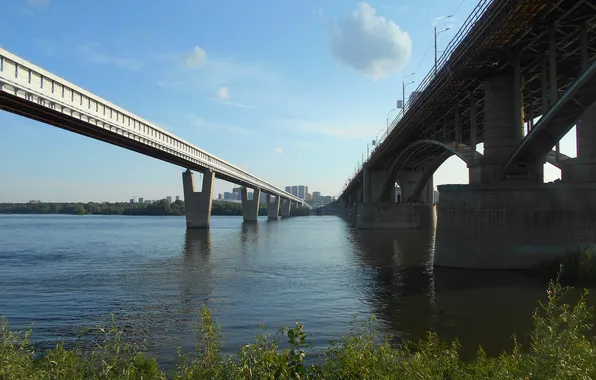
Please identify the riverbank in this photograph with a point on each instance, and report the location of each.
(557, 348)
(158, 208)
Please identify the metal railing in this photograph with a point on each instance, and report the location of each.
(400, 119)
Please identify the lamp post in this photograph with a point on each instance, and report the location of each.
(388, 113)
(403, 90)
(436, 34)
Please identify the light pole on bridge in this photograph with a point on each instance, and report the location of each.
(403, 90)
(437, 34)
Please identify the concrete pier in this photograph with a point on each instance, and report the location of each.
(286, 206)
(273, 207)
(198, 204)
(509, 227)
(250, 207)
(392, 215)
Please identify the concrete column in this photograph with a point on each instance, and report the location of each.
(502, 118)
(250, 207)
(407, 182)
(286, 206)
(586, 134)
(198, 204)
(273, 207)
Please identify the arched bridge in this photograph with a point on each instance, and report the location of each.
(517, 76)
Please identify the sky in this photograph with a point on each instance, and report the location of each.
(290, 91)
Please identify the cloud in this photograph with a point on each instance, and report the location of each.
(318, 13)
(223, 93)
(38, 3)
(279, 150)
(369, 43)
(196, 58)
(90, 54)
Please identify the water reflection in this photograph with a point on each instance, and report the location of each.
(401, 288)
(196, 278)
(249, 236)
(485, 307)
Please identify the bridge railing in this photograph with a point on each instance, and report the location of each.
(400, 119)
(28, 81)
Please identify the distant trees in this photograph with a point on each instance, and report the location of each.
(161, 207)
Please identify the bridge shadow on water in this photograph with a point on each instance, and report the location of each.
(410, 296)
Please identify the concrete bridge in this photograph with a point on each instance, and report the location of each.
(512, 62)
(30, 91)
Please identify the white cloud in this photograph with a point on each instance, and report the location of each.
(318, 13)
(279, 150)
(90, 54)
(223, 93)
(37, 3)
(370, 43)
(195, 58)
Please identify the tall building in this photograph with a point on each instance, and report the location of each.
(302, 191)
(289, 189)
(316, 197)
(177, 197)
(169, 199)
(140, 200)
(295, 190)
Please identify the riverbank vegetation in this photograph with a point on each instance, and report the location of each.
(558, 347)
(157, 208)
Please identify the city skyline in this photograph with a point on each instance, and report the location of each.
(248, 98)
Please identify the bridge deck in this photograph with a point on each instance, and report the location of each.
(30, 91)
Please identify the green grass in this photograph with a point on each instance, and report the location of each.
(559, 348)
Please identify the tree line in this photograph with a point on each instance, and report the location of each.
(159, 208)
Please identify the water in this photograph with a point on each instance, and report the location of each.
(64, 273)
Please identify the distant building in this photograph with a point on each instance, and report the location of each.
(169, 199)
(436, 196)
(140, 200)
(263, 198)
(302, 191)
(289, 189)
(295, 190)
(132, 201)
(220, 196)
(177, 197)
(148, 201)
(316, 197)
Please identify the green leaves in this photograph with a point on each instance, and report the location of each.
(559, 349)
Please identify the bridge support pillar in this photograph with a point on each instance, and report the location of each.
(198, 204)
(511, 226)
(414, 191)
(286, 206)
(273, 207)
(397, 216)
(582, 169)
(250, 207)
(503, 131)
(373, 183)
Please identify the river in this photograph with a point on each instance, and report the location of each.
(65, 273)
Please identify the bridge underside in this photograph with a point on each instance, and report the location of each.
(522, 60)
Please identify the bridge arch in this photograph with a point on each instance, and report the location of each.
(437, 151)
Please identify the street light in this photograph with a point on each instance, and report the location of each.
(388, 113)
(403, 90)
(436, 34)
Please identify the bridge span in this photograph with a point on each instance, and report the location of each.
(511, 63)
(32, 92)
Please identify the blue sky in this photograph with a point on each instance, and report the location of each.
(290, 91)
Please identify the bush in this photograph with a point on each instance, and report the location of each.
(559, 348)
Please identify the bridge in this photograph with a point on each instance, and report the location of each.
(517, 76)
(32, 92)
